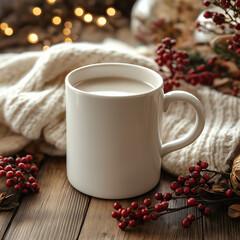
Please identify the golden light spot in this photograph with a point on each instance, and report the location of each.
(78, 11)
(45, 48)
(51, 1)
(88, 17)
(101, 21)
(33, 38)
(66, 31)
(3, 26)
(68, 39)
(111, 11)
(8, 31)
(68, 24)
(37, 11)
(56, 20)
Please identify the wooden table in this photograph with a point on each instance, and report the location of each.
(59, 211)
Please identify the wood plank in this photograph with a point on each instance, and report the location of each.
(56, 212)
(219, 225)
(99, 224)
(6, 216)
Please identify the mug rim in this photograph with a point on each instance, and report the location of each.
(157, 77)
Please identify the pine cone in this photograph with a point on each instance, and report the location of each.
(235, 175)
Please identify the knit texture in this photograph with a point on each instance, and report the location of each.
(32, 105)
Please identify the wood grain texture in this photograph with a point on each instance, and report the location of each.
(6, 216)
(220, 226)
(99, 224)
(56, 212)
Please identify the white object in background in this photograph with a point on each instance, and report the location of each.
(207, 36)
(114, 146)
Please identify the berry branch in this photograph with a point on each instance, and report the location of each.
(192, 185)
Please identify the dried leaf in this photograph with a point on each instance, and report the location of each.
(220, 39)
(234, 211)
(220, 187)
(217, 82)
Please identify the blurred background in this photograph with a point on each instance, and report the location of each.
(37, 24)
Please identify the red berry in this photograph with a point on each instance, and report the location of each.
(9, 182)
(146, 218)
(200, 207)
(191, 169)
(195, 174)
(144, 211)
(164, 205)
(206, 3)
(147, 202)
(237, 26)
(191, 202)
(21, 165)
(18, 160)
(185, 223)
(194, 191)
(116, 205)
(132, 223)
(201, 181)
(207, 211)
(32, 179)
(180, 179)
(142, 207)
(9, 174)
(179, 191)
(174, 185)
(27, 184)
(158, 207)
(124, 213)
(186, 190)
(158, 196)
(204, 165)
(129, 209)
(34, 168)
(192, 181)
(18, 173)
(2, 173)
(24, 160)
(199, 163)
(207, 14)
(114, 214)
(187, 184)
(206, 177)
(34, 185)
(122, 225)
(8, 168)
(138, 215)
(154, 216)
(29, 157)
(167, 196)
(229, 193)
(27, 166)
(17, 187)
(198, 169)
(134, 205)
(191, 217)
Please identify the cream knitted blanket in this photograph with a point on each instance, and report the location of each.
(32, 105)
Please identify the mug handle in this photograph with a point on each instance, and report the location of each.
(199, 122)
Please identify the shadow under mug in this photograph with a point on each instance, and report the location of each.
(114, 146)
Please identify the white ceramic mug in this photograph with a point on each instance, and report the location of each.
(114, 146)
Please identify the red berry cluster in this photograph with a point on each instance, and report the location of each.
(172, 64)
(186, 185)
(175, 65)
(20, 173)
(234, 43)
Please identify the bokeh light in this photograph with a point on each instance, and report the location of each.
(51, 1)
(56, 20)
(111, 11)
(8, 31)
(68, 39)
(68, 24)
(3, 26)
(33, 38)
(88, 18)
(101, 21)
(78, 11)
(37, 11)
(66, 31)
